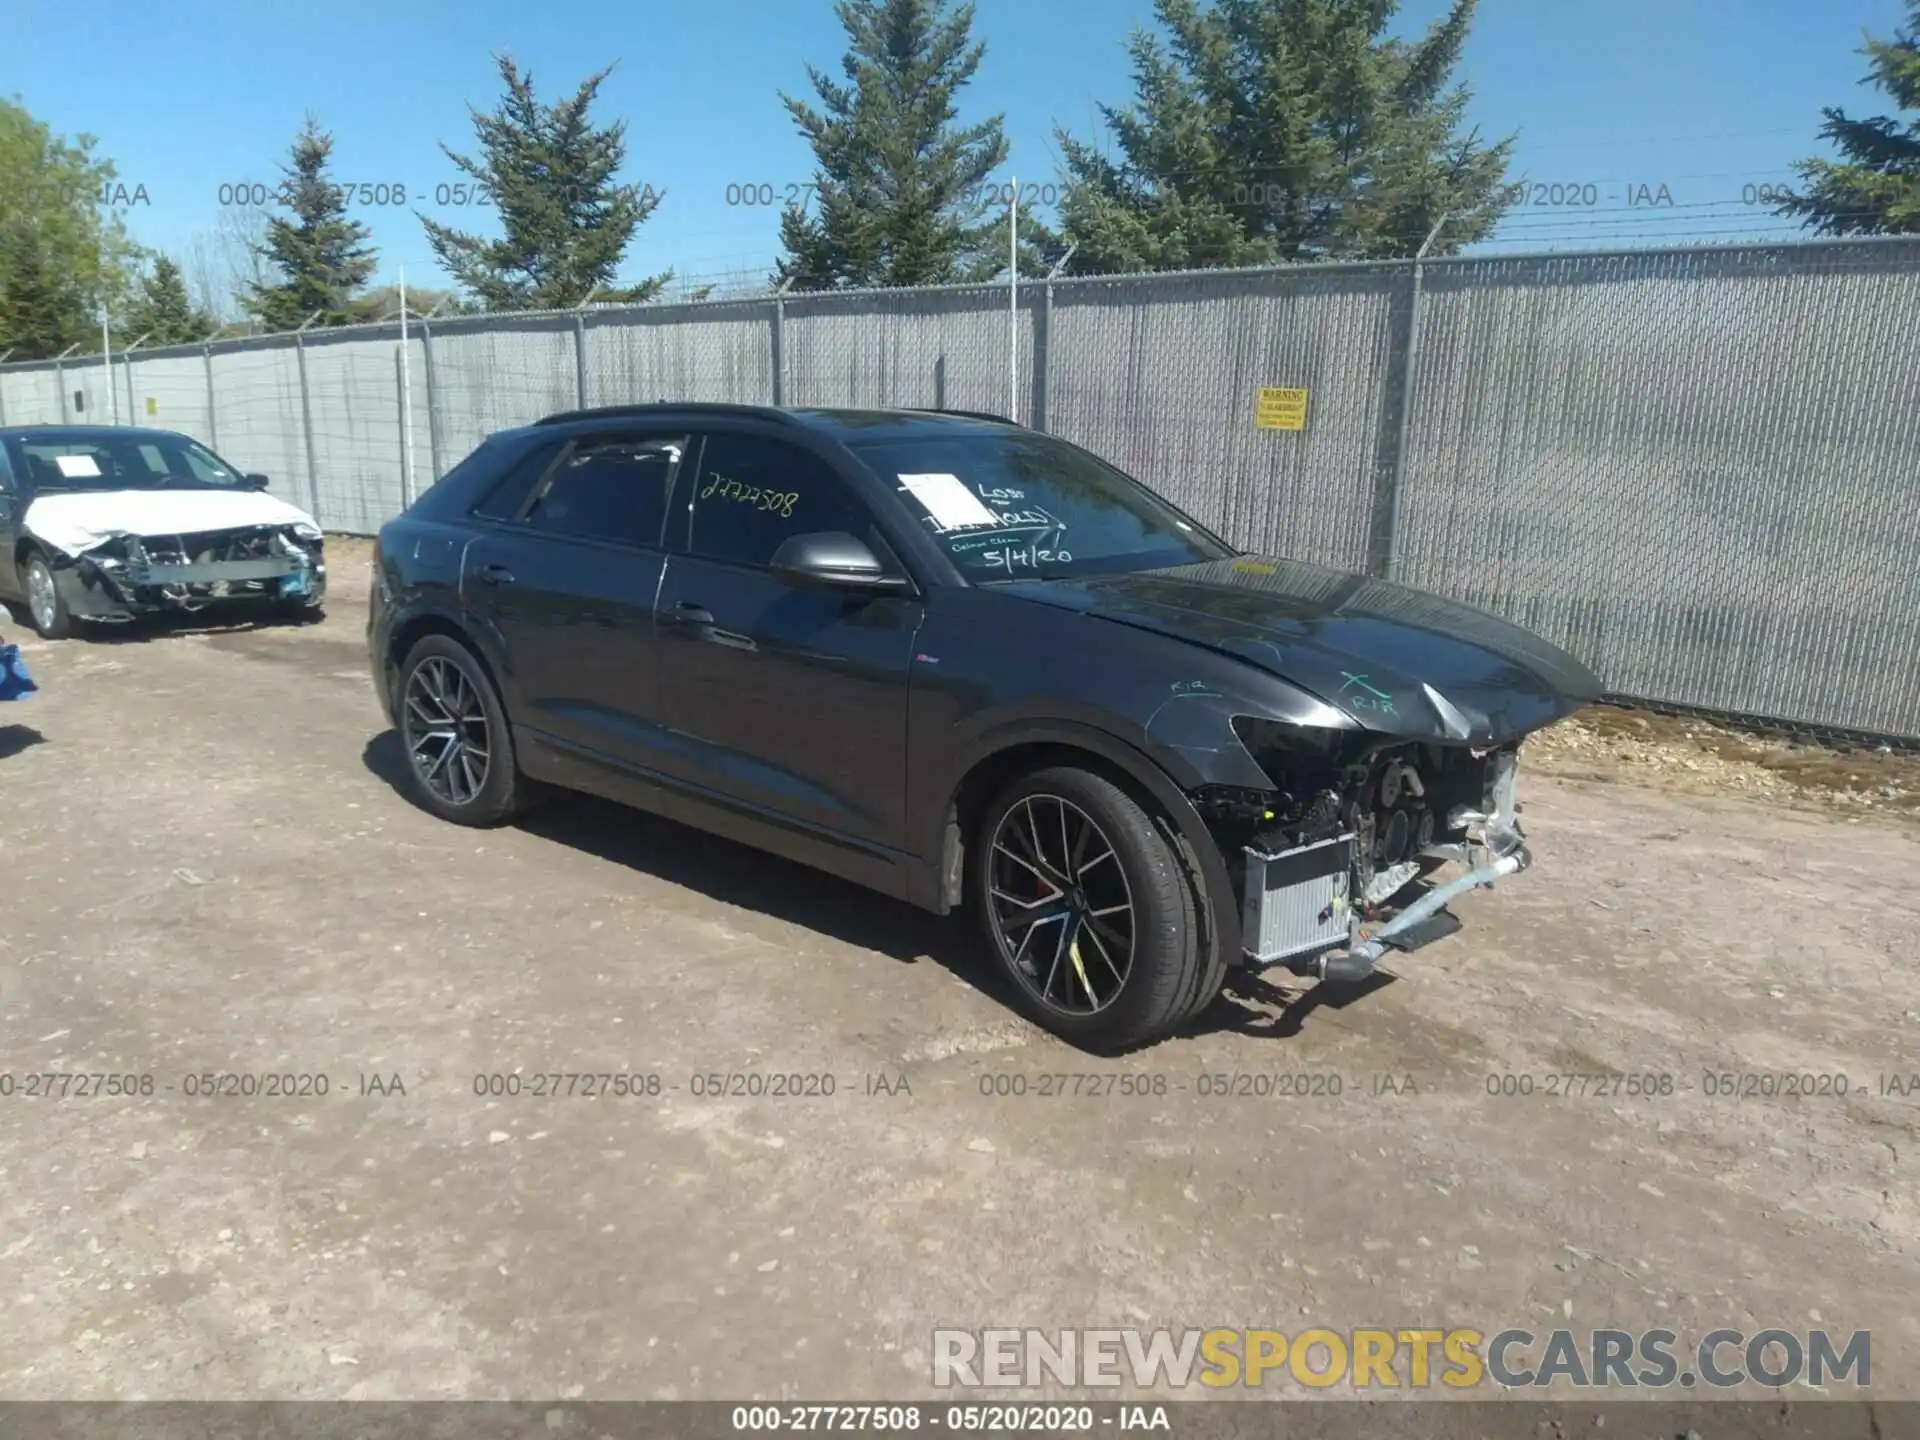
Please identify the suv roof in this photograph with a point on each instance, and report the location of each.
(845, 425)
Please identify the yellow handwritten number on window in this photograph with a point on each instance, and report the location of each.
(773, 501)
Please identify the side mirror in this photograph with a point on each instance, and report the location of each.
(256, 482)
(832, 560)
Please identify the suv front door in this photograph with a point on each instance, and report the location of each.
(790, 703)
(564, 572)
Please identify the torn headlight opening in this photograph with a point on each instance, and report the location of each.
(1404, 807)
(304, 531)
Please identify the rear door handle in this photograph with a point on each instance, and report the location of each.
(495, 575)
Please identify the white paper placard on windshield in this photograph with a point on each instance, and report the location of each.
(77, 467)
(947, 499)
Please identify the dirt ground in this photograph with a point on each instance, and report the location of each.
(208, 869)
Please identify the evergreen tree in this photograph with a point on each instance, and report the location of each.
(60, 259)
(1265, 131)
(566, 222)
(318, 260)
(898, 187)
(1875, 190)
(162, 311)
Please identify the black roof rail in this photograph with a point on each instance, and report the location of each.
(666, 407)
(966, 415)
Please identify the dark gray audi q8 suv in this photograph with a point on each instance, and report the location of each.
(971, 666)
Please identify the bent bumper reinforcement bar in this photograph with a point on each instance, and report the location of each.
(1358, 961)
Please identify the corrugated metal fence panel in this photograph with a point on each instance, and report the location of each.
(495, 375)
(1160, 376)
(1698, 471)
(256, 416)
(942, 349)
(721, 352)
(176, 383)
(355, 384)
(30, 397)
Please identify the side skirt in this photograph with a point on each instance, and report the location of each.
(556, 762)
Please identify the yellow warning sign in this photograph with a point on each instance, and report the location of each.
(153, 405)
(1281, 409)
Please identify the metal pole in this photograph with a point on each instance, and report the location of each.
(1013, 303)
(780, 341)
(399, 396)
(434, 458)
(1389, 541)
(406, 399)
(60, 379)
(3, 389)
(213, 419)
(306, 421)
(133, 409)
(1044, 359)
(106, 364)
(580, 359)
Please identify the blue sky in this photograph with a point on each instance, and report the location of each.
(1704, 97)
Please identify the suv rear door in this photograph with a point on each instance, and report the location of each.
(563, 569)
(790, 703)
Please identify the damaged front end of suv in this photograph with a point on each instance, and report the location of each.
(125, 575)
(1332, 858)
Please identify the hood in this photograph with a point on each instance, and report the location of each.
(1397, 660)
(78, 521)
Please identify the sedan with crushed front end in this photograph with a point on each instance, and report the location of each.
(971, 666)
(106, 523)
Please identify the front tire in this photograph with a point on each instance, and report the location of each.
(1087, 910)
(45, 607)
(459, 751)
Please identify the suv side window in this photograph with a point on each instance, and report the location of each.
(7, 485)
(752, 493)
(508, 495)
(612, 488)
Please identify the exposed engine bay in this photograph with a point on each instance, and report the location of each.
(125, 574)
(1353, 821)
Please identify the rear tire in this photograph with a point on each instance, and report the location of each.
(459, 750)
(45, 607)
(1087, 910)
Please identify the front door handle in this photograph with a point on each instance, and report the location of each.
(495, 575)
(688, 613)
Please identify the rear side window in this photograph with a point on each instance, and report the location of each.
(613, 490)
(753, 493)
(508, 497)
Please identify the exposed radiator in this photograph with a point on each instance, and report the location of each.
(1297, 901)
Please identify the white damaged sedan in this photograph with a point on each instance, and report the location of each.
(106, 523)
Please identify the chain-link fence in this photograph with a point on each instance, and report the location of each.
(1697, 469)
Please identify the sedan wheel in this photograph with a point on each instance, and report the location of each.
(1088, 911)
(49, 611)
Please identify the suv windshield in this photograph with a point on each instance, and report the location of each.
(1027, 506)
(123, 462)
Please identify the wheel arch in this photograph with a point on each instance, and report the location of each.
(996, 760)
(410, 631)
